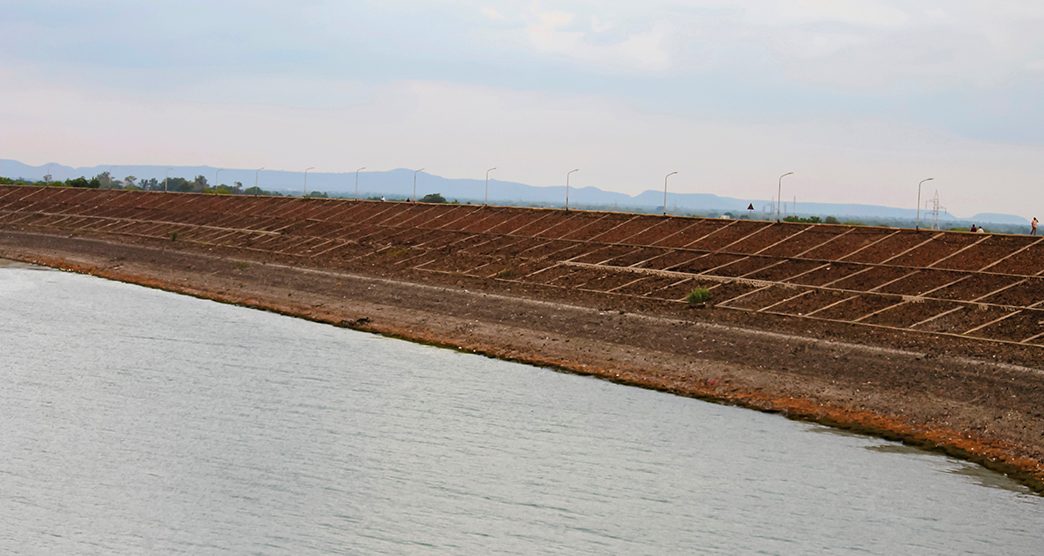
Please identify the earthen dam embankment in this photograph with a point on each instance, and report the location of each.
(931, 337)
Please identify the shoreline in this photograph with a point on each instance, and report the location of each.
(601, 346)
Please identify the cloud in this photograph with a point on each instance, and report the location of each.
(875, 88)
(883, 45)
(492, 14)
(533, 137)
(555, 33)
(856, 45)
(591, 40)
(862, 13)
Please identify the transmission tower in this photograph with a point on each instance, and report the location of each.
(935, 208)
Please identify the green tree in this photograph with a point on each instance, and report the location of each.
(179, 184)
(433, 198)
(81, 181)
(104, 180)
(199, 184)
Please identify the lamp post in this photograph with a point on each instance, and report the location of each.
(257, 174)
(779, 194)
(305, 194)
(357, 181)
(665, 178)
(415, 172)
(166, 178)
(486, 200)
(217, 177)
(917, 226)
(569, 173)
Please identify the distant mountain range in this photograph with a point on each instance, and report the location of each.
(399, 183)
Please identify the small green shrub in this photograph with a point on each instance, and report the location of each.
(173, 236)
(698, 296)
(433, 198)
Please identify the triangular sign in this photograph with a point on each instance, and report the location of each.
(750, 206)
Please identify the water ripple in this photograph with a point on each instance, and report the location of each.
(136, 421)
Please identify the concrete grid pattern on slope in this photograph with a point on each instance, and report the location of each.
(979, 286)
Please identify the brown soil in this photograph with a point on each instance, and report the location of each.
(812, 237)
(1024, 324)
(921, 282)
(666, 228)
(889, 247)
(628, 228)
(440, 275)
(637, 255)
(696, 230)
(728, 235)
(909, 313)
(708, 262)
(1023, 294)
(871, 278)
(671, 259)
(935, 250)
(784, 270)
(985, 253)
(811, 301)
(1029, 262)
(744, 266)
(760, 299)
(832, 273)
(847, 244)
(975, 287)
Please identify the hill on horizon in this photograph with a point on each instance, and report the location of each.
(399, 183)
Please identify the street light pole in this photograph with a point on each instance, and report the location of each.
(166, 178)
(779, 194)
(217, 177)
(257, 174)
(486, 200)
(305, 194)
(569, 173)
(665, 192)
(917, 226)
(415, 184)
(357, 181)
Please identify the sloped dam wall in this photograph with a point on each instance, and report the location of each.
(932, 337)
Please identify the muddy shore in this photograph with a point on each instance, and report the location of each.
(967, 403)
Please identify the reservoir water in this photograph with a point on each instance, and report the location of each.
(138, 421)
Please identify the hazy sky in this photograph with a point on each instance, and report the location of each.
(861, 98)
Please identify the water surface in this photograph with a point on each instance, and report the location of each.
(140, 421)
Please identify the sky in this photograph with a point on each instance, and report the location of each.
(862, 99)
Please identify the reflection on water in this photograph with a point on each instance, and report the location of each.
(139, 421)
(895, 449)
(985, 478)
(977, 473)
